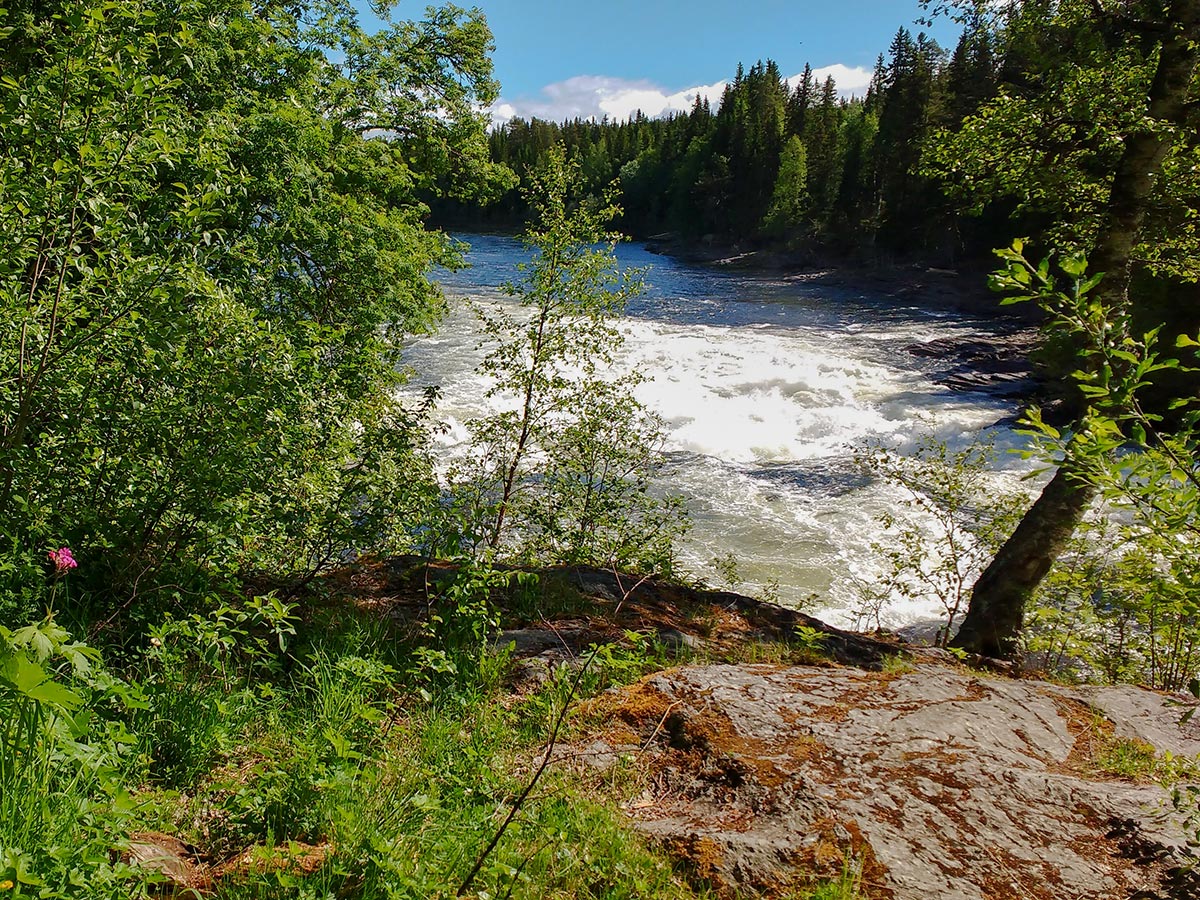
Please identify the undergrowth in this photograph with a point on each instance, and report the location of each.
(847, 886)
(1133, 759)
(365, 760)
(1137, 760)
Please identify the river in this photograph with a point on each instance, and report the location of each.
(766, 386)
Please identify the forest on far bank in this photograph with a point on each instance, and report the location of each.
(776, 161)
(949, 154)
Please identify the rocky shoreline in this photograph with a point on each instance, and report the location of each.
(996, 364)
(932, 779)
(766, 754)
(964, 290)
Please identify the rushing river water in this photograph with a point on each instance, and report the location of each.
(766, 386)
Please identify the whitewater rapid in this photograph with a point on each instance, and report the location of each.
(766, 388)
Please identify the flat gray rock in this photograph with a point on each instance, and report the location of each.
(940, 782)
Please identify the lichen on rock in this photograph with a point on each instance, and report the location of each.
(936, 781)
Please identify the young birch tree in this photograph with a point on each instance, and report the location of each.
(562, 473)
(1155, 127)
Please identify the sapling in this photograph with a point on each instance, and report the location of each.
(562, 471)
(953, 520)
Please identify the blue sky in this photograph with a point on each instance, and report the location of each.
(561, 58)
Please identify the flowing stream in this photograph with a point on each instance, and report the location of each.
(766, 385)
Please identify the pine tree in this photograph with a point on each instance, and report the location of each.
(824, 151)
(799, 102)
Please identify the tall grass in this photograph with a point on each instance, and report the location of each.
(357, 758)
(64, 762)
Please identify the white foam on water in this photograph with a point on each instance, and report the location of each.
(762, 421)
(749, 395)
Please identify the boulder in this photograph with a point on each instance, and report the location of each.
(934, 781)
(998, 364)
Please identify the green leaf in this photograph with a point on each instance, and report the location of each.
(30, 680)
(1073, 265)
(54, 694)
(21, 673)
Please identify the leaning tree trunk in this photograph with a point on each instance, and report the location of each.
(993, 622)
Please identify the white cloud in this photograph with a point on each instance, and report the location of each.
(851, 82)
(597, 96)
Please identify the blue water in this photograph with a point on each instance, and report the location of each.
(689, 294)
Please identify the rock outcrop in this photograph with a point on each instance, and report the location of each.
(938, 782)
(997, 364)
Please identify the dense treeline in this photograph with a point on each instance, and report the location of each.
(786, 161)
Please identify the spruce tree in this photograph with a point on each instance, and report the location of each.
(789, 200)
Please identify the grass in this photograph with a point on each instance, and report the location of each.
(898, 664)
(1137, 760)
(847, 886)
(407, 793)
(1133, 759)
(325, 772)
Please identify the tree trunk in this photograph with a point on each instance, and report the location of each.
(993, 622)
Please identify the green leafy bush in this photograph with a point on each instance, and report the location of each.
(209, 262)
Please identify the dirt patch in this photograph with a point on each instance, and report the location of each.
(184, 872)
(835, 847)
(1097, 741)
(726, 757)
(1092, 733)
(294, 857)
(605, 603)
(638, 705)
(703, 856)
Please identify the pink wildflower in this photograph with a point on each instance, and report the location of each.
(63, 560)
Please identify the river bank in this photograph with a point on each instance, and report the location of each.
(962, 289)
